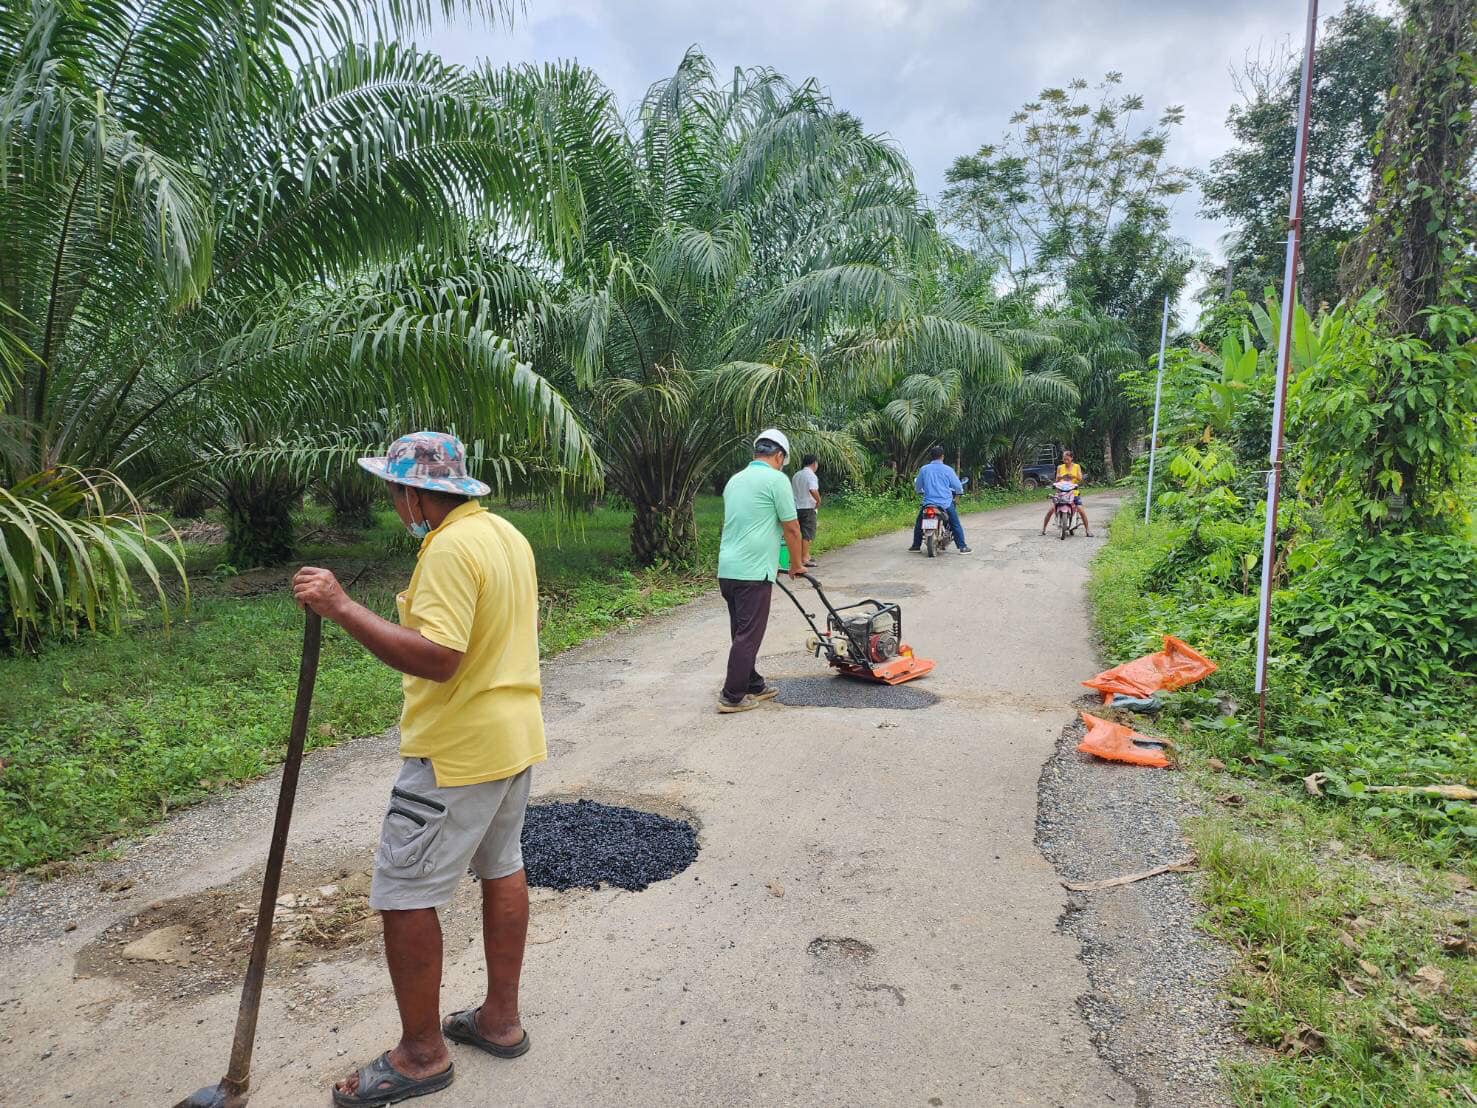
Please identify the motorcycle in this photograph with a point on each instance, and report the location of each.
(938, 532)
(1064, 500)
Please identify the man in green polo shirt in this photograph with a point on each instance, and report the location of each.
(758, 511)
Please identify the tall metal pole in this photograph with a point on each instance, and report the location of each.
(1158, 389)
(1284, 357)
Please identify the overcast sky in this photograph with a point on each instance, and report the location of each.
(940, 76)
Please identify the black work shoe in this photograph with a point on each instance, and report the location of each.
(965, 549)
(915, 550)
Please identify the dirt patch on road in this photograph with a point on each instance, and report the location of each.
(198, 944)
(840, 950)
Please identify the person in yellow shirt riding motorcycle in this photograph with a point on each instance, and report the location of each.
(1069, 470)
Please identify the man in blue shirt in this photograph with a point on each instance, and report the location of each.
(938, 484)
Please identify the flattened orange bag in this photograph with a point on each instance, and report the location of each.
(1117, 743)
(1174, 667)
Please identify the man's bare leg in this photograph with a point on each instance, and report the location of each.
(504, 933)
(804, 551)
(413, 952)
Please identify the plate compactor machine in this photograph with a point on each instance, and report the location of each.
(862, 640)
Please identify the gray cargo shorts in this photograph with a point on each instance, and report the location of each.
(431, 835)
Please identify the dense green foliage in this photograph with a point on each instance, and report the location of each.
(1350, 698)
(1070, 208)
(1385, 423)
(1327, 878)
(234, 235)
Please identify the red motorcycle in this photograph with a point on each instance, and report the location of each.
(938, 532)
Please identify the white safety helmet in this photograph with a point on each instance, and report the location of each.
(776, 436)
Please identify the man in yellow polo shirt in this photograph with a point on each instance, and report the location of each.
(467, 645)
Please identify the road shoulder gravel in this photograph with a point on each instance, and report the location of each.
(1156, 1011)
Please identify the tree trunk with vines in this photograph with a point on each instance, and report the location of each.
(1008, 468)
(664, 533)
(259, 525)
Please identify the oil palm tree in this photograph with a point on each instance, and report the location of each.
(1096, 350)
(945, 365)
(1005, 422)
(204, 201)
(743, 244)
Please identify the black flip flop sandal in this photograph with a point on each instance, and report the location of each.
(461, 1027)
(380, 1083)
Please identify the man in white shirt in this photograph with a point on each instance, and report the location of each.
(807, 499)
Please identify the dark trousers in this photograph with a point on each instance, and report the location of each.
(953, 522)
(748, 616)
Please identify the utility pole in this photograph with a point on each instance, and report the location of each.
(1284, 357)
(1158, 390)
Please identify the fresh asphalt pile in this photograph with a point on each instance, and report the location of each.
(584, 844)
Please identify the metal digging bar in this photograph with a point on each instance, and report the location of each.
(230, 1092)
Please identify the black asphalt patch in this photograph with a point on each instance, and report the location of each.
(827, 691)
(585, 845)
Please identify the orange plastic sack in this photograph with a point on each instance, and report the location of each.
(1174, 667)
(1117, 743)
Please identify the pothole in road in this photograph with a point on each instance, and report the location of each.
(586, 844)
(846, 692)
(840, 950)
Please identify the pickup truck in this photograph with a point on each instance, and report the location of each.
(1034, 476)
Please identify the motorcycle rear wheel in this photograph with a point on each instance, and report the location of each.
(928, 543)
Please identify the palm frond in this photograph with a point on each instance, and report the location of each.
(71, 543)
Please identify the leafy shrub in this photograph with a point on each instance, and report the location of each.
(1394, 612)
(1158, 579)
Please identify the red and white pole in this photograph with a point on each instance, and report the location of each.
(1284, 358)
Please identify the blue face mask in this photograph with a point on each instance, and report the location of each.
(419, 529)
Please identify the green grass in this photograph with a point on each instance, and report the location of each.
(1335, 906)
(1352, 974)
(106, 733)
